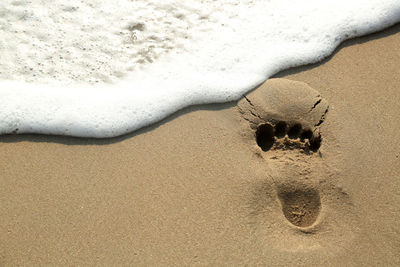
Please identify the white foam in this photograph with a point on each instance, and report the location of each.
(105, 68)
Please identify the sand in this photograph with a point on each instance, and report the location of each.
(202, 188)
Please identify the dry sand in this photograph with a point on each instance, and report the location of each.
(197, 189)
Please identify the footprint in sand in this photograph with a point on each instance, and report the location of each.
(297, 194)
(285, 115)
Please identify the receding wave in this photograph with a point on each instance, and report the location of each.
(106, 68)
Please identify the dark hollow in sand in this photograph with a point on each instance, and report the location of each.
(294, 131)
(306, 134)
(315, 143)
(265, 136)
(280, 129)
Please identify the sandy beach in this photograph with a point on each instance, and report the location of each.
(208, 186)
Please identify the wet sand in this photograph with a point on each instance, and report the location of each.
(201, 189)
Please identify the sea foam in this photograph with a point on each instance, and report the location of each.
(105, 68)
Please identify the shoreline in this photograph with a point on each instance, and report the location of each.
(213, 106)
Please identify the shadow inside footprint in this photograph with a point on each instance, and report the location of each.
(265, 136)
(300, 207)
(315, 143)
(294, 131)
(306, 134)
(280, 129)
